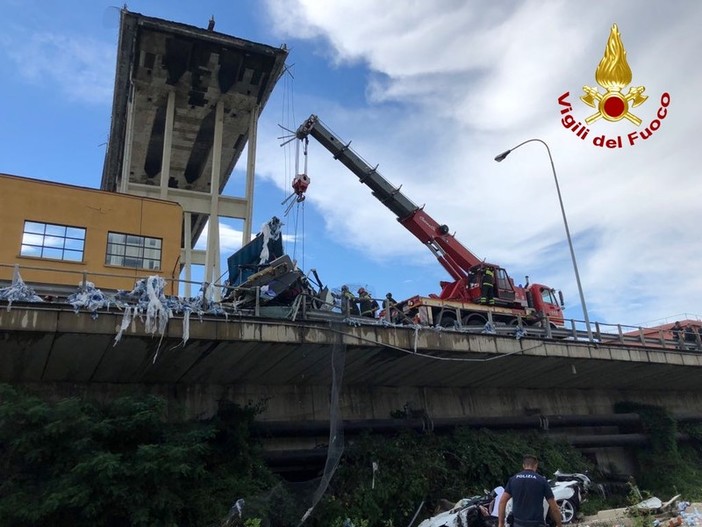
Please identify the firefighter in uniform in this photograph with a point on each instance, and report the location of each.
(368, 305)
(390, 307)
(348, 302)
(487, 286)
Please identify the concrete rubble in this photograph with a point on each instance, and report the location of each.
(673, 513)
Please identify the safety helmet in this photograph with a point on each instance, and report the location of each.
(361, 291)
(389, 295)
(344, 288)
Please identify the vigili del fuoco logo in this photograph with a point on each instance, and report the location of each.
(613, 74)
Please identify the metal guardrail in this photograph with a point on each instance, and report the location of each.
(603, 333)
(306, 307)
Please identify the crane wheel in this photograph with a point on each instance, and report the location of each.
(447, 320)
(473, 320)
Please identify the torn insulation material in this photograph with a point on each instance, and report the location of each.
(18, 291)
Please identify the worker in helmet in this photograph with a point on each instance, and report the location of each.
(368, 305)
(348, 302)
(390, 306)
(678, 335)
(487, 287)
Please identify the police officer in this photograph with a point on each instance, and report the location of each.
(527, 489)
(487, 293)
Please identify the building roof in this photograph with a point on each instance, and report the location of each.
(77, 188)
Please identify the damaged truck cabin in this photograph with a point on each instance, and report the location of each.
(262, 277)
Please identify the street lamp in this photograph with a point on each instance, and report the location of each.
(502, 157)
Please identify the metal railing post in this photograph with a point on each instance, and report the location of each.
(662, 338)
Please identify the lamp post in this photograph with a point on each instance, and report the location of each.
(500, 158)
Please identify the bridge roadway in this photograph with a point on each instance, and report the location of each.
(288, 365)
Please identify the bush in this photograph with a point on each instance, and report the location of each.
(79, 463)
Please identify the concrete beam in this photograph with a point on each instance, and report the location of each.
(197, 257)
(192, 201)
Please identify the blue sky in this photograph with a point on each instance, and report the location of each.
(431, 91)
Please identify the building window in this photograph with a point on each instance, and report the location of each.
(127, 250)
(49, 240)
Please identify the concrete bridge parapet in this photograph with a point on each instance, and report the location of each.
(288, 364)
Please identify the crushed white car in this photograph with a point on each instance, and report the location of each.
(569, 490)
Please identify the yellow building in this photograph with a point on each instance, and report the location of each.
(57, 232)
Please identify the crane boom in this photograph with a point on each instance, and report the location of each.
(452, 255)
(467, 300)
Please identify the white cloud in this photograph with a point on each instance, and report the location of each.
(229, 238)
(81, 67)
(452, 85)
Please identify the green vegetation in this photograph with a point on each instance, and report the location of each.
(666, 467)
(79, 463)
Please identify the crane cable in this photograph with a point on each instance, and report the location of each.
(300, 203)
(288, 119)
(299, 187)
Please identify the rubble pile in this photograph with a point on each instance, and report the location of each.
(672, 513)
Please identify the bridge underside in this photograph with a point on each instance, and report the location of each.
(157, 59)
(289, 365)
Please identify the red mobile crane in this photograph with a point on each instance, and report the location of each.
(458, 301)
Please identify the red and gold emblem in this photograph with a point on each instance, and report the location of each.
(613, 74)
